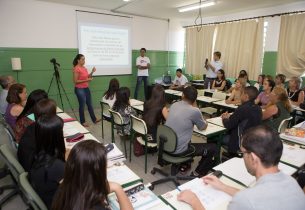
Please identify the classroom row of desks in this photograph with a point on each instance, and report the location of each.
(234, 172)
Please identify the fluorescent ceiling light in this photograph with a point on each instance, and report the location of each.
(126, 0)
(195, 6)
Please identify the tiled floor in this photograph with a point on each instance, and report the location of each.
(137, 163)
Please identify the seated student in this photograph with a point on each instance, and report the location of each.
(182, 117)
(259, 83)
(237, 91)
(269, 77)
(110, 95)
(179, 81)
(6, 82)
(278, 110)
(242, 76)
(122, 105)
(23, 120)
(220, 82)
(85, 185)
(262, 150)
(48, 167)
(16, 98)
(247, 115)
(155, 111)
(263, 98)
(280, 80)
(27, 145)
(295, 93)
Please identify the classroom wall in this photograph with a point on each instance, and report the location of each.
(37, 31)
(37, 70)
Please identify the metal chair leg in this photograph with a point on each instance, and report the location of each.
(131, 141)
(145, 139)
(112, 132)
(102, 127)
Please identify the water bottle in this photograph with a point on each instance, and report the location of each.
(209, 87)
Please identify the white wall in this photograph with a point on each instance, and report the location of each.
(273, 29)
(36, 24)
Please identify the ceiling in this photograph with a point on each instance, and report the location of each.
(167, 9)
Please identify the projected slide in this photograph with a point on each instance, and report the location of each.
(105, 46)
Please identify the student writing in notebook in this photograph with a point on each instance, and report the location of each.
(85, 185)
(262, 150)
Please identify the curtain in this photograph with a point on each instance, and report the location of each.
(241, 46)
(198, 47)
(291, 51)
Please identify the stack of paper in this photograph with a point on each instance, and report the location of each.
(115, 156)
(210, 197)
(293, 155)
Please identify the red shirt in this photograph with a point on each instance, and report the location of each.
(82, 75)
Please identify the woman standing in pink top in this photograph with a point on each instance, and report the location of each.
(81, 79)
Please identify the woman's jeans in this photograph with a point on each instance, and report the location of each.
(84, 97)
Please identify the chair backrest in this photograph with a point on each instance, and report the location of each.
(11, 161)
(105, 109)
(200, 92)
(219, 95)
(116, 117)
(138, 125)
(11, 137)
(169, 136)
(284, 124)
(32, 197)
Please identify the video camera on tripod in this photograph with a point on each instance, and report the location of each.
(59, 84)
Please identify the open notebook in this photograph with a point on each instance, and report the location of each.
(235, 169)
(140, 198)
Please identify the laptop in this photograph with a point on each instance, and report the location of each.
(167, 80)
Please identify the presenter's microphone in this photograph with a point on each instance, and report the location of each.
(53, 60)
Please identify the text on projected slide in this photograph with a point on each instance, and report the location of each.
(105, 46)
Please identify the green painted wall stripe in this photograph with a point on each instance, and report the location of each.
(37, 70)
(269, 63)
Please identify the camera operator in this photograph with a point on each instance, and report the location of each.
(212, 68)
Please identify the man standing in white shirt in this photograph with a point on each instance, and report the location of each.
(212, 68)
(143, 64)
(179, 81)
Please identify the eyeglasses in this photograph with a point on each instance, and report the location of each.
(241, 153)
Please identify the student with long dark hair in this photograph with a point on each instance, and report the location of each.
(220, 82)
(155, 110)
(81, 79)
(48, 167)
(122, 105)
(24, 120)
(27, 145)
(110, 95)
(263, 98)
(85, 185)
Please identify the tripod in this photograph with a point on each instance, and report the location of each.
(60, 86)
